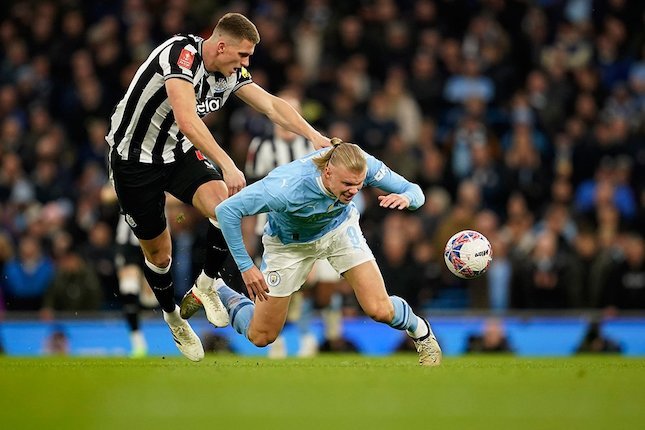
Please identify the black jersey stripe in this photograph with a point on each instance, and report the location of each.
(143, 122)
(162, 138)
(133, 100)
(137, 90)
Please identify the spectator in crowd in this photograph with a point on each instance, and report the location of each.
(544, 281)
(595, 342)
(28, 276)
(625, 288)
(6, 254)
(491, 339)
(75, 286)
(592, 265)
(57, 342)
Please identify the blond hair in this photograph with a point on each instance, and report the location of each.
(344, 154)
(238, 26)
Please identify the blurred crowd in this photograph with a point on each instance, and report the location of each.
(522, 119)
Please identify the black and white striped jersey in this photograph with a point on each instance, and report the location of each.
(143, 126)
(267, 153)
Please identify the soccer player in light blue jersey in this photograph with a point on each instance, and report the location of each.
(311, 216)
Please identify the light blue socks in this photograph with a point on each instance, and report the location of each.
(406, 319)
(240, 308)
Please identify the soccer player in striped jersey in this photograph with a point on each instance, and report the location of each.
(158, 143)
(312, 216)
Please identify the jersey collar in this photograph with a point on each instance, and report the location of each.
(323, 188)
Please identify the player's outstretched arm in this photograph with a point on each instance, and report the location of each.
(281, 113)
(403, 193)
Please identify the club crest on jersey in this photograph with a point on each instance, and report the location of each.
(186, 58)
(131, 222)
(273, 279)
(220, 85)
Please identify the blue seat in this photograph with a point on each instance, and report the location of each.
(628, 332)
(545, 336)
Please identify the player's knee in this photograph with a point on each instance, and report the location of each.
(382, 312)
(160, 259)
(263, 338)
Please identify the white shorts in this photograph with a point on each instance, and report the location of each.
(285, 267)
(324, 272)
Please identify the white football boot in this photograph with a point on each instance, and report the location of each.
(184, 336)
(428, 348)
(207, 298)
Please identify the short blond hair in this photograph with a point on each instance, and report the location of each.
(345, 154)
(238, 26)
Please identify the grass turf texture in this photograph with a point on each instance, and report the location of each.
(326, 392)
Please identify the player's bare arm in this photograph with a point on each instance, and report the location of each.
(281, 113)
(182, 99)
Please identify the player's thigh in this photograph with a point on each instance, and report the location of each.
(195, 181)
(269, 317)
(140, 191)
(208, 196)
(368, 285)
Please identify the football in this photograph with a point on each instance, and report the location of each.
(468, 254)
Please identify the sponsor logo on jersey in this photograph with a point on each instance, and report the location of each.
(245, 73)
(200, 156)
(211, 104)
(186, 59)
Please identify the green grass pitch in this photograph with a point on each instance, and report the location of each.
(326, 392)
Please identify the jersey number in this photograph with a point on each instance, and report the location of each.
(354, 237)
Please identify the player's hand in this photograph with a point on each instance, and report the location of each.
(234, 180)
(394, 201)
(321, 141)
(255, 284)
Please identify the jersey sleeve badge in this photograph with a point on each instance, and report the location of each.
(186, 59)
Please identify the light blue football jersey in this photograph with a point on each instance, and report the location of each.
(299, 207)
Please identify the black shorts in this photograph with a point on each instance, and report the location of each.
(140, 188)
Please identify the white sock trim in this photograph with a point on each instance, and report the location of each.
(421, 330)
(159, 270)
(214, 222)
